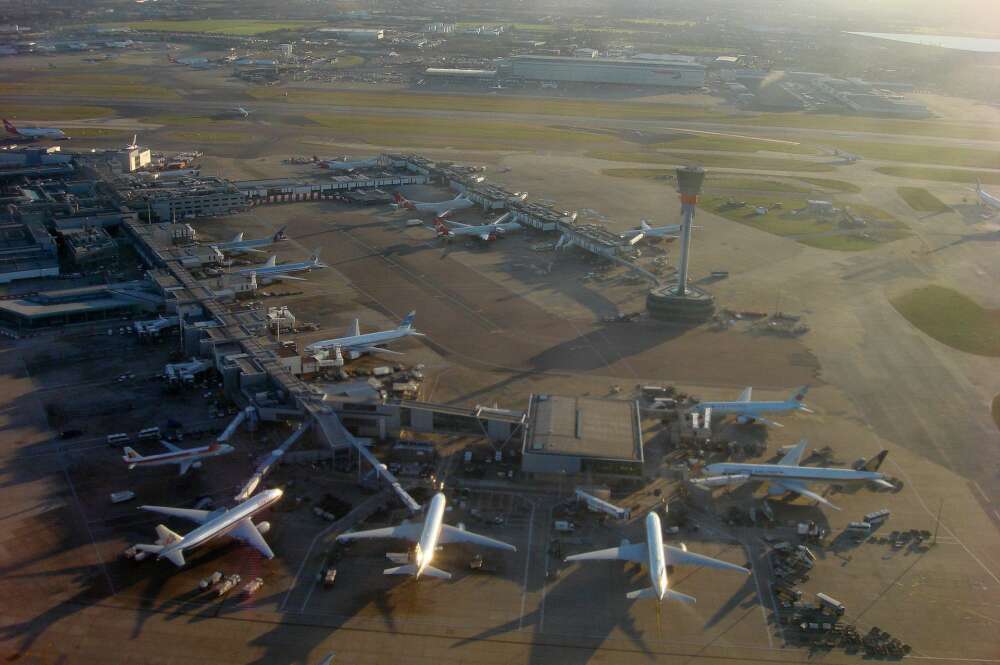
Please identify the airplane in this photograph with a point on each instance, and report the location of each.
(35, 133)
(348, 165)
(427, 537)
(457, 203)
(240, 246)
(670, 231)
(271, 271)
(985, 198)
(848, 157)
(239, 110)
(356, 343)
(186, 458)
(789, 476)
(748, 411)
(495, 229)
(134, 144)
(657, 556)
(236, 522)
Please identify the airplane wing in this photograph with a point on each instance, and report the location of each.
(294, 279)
(199, 516)
(450, 534)
(247, 531)
(405, 531)
(799, 488)
(746, 395)
(794, 456)
(675, 556)
(762, 419)
(635, 552)
(169, 446)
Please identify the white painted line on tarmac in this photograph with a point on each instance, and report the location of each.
(734, 136)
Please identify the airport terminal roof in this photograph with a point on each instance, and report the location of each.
(584, 427)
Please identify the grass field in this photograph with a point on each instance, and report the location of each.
(941, 175)
(821, 232)
(928, 154)
(43, 112)
(952, 319)
(445, 133)
(110, 86)
(921, 200)
(486, 104)
(726, 161)
(222, 27)
(836, 185)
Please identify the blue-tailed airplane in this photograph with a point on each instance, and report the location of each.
(272, 270)
(355, 343)
(748, 411)
(240, 246)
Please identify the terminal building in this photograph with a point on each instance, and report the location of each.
(664, 73)
(573, 435)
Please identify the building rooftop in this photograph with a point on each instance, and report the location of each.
(584, 427)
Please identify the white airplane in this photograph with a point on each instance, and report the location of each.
(427, 537)
(848, 157)
(134, 144)
(748, 411)
(348, 165)
(985, 198)
(35, 133)
(788, 476)
(457, 203)
(186, 458)
(656, 556)
(239, 110)
(240, 246)
(271, 271)
(498, 228)
(646, 231)
(356, 343)
(236, 522)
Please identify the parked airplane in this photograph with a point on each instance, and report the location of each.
(236, 522)
(183, 457)
(985, 198)
(848, 157)
(457, 203)
(789, 476)
(271, 271)
(498, 228)
(646, 231)
(427, 537)
(134, 144)
(357, 343)
(656, 556)
(239, 246)
(244, 113)
(748, 411)
(35, 133)
(348, 165)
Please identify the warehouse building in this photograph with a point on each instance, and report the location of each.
(91, 248)
(672, 73)
(80, 305)
(26, 251)
(185, 198)
(572, 435)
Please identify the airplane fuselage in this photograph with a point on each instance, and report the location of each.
(242, 245)
(783, 472)
(283, 269)
(747, 407)
(179, 457)
(225, 522)
(988, 199)
(427, 544)
(366, 340)
(657, 561)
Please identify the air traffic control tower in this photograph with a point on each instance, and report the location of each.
(678, 301)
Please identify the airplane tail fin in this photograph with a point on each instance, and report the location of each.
(876, 462)
(271, 261)
(9, 127)
(165, 536)
(979, 183)
(680, 597)
(431, 571)
(408, 569)
(238, 237)
(644, 225)
(407, 323)
(131, 454)
(315, 257)
(800, 394)
(400, 199)
(440, 227)
(280, 234)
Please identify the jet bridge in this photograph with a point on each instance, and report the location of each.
(602, 506)
(338, 438)
(268, 462)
